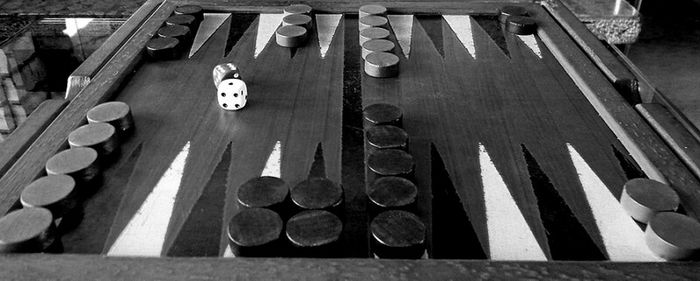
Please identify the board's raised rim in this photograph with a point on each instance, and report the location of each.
(100, 89)
(92, 267)
(652, 154)
(82, 75)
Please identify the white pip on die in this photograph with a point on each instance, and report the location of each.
(231, 90)
(232, 94)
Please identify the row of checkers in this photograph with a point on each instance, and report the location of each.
(655, 206)
(296, 26)
(316, 207)
(378, 50)
(51, 204)
(177, 33)
(307, 219)
(396, 232)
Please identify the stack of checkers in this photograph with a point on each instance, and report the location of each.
(278, 221)
(377, 48)
(296, 26)
(51, 203)
(516, 20)
(176, 34)
(669, 235)
(395, 229)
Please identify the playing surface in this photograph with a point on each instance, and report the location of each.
(512, 162)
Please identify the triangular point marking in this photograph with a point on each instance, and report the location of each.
(272, 169)
(531, 43)
(623, 239)
(326, 25)
(211, 23)
(273, 166)
(4, 68)
(267, 25)
(510, 237)
(462, 27)
(145, 233)
(403, 28)
(228, 253)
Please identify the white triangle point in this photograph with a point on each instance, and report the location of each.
(211, 23)
(461, 25)
(267, 26)
(228, 253)
(531, 42)
(403, 28)
(145, 233)
(623, 239)
(4, 67)
(510, 237)
(326, 24)
(273, 166)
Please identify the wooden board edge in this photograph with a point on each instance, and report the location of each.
(24, 135)
(91, 267)
(649, 93)
(20, 31)
(105, 83)
(676, 136)
(351, 7)
(81, 76)
(621, 77)
(655, 158)
(75, 84)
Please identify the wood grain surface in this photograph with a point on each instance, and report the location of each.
(23, 137)
(674, 133)
(37, 266)
(352, 7)
(515, 138)
(108, 81)
(271, 116)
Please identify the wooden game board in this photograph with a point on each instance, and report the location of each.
(522, 145)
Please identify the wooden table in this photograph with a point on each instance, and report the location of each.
(514, 138)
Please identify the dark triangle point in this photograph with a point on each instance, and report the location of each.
(567, 238)
(318, 167)
(493, 28)
(201, 232)
(453, 234)
(632, 171)
(432, 24)
(292, 52)
(239, 24)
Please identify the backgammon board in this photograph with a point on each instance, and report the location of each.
(509, 145)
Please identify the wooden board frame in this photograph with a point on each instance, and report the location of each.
(82, 75)
(125, 54)
(624, 75)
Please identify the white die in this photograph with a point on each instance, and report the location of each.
(232, 94)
